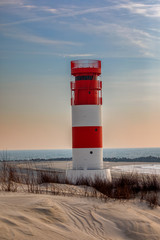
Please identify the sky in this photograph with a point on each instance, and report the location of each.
(38, 39)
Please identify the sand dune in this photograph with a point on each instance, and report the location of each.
(34, 216)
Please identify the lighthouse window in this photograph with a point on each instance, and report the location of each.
(91, 152)
(84, 77)
(96, 129)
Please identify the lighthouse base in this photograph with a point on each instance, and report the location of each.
(74, 175)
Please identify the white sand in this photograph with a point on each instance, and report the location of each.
(26, 216)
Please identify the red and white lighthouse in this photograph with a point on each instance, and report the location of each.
(86, 102)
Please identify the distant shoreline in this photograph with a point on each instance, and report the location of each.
(124, 159)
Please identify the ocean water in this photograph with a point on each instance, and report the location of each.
(67, 153)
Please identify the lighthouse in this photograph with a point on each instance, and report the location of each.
(86, 102)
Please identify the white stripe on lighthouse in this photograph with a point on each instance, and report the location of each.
(86, 115)
(87, 158)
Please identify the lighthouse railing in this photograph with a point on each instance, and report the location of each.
(96, 85)
(86, 63)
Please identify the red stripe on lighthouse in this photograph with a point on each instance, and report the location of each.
(87, 137)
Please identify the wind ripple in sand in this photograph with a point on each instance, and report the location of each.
(82, 218)
(31, 216)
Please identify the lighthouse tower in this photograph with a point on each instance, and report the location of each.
(86, 102)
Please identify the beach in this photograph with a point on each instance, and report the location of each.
(69, 212)
(38, 216)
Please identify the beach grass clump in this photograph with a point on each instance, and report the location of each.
(8, 177)
(48, 177)
(150, 183)
(127, 186)
(124, 187)
(152, 199)
(103, 186)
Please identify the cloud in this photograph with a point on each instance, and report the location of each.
(29, 6)
(155, 30)
(110, 21)
(37, 39)
(29, 20)
(61, 11)
(147, 10)
(78, 55)
(132, 36)
(48, 9)
(4, 54)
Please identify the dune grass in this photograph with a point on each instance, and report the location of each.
(33, 180)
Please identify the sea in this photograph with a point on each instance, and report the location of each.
(62, 154)
(125, 155)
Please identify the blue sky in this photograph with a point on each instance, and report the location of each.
(38, 41)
